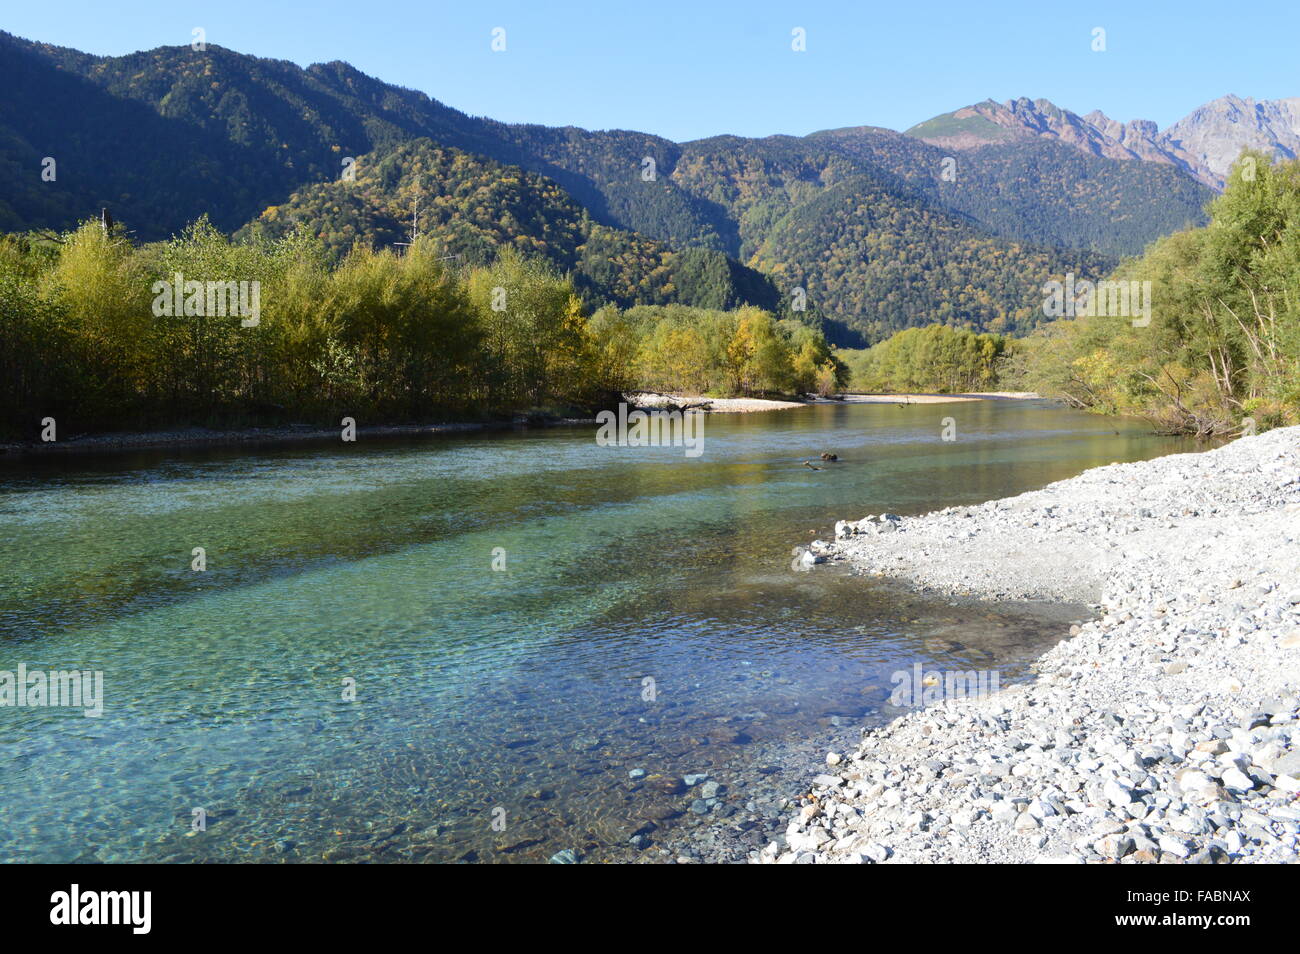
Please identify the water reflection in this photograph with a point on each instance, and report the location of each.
(522, 691)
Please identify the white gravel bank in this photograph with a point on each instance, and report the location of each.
(1166, 730)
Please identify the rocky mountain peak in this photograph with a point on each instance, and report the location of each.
(1204, 144)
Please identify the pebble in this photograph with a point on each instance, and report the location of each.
(1165, 729)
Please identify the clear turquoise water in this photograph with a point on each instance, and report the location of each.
(477, 690)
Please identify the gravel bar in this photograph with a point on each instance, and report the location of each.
(1165, 730)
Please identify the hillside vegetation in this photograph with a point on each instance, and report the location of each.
(864, 226)
(933, 360)
(1223, 343)
(89, 336)
(473, 207)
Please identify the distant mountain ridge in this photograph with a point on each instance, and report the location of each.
(1204, 144)
(872, 225)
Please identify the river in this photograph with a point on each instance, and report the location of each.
(485, 647)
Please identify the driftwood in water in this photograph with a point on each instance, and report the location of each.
(671, 406)
(810, 466)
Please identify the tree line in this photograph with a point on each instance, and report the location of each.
(1217, 351)
(935, 359)
(90, 337)
(1222, 347)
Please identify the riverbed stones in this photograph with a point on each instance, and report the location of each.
(1287, 763)
(1117, 793)
(667, 784)
(1235, 780)
(1166, 729)
(875, 852)
(1114, 846)
(809, 559)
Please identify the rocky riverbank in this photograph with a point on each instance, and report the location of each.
(1166, 730)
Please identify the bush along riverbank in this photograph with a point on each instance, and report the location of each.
(99, 335)
(1165, 730)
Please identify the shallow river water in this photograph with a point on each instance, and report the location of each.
(642, 617)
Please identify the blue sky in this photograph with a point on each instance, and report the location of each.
(691, 69)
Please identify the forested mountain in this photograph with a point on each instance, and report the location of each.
(867, 222)
(1220, 349)
(880, 229)
(1042, 191)
(884, 261)
(270, 127)
(473, 207)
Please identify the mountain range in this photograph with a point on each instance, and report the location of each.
(958, 220)
(1204, 144)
